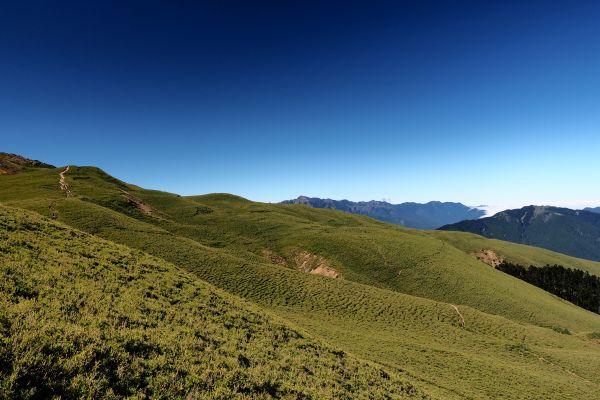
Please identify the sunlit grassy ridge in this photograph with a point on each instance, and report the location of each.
(515, 253)
(81, 317)
(393, 304)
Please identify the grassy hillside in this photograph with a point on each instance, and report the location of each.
(513, 252)
(82, 317)
(394, 303)
(12, 163)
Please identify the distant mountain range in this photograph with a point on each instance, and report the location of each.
(572, 232)
(413, 215)
(592, 209)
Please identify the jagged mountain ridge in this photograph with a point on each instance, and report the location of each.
(429, 215)
(572, 232)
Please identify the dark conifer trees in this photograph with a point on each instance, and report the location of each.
(576, 286)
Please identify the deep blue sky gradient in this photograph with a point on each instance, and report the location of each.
(480, 102)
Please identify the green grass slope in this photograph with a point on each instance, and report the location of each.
(513, 252)
(381, 255)
(361, 249)
(394, 304)
(82, 317)
(12, 163)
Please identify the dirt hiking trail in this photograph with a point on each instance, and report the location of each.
(64, 186)
(462, 319)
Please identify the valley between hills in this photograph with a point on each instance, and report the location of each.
(110, 290)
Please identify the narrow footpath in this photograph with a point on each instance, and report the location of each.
(462, 319)
(64, 186)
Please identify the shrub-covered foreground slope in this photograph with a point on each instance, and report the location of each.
(82, 317)
(400, 298)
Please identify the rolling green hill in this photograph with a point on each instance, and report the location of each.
(572, 232)
(399, 298)
(12, 163)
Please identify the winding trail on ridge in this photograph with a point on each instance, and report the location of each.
(64, 186)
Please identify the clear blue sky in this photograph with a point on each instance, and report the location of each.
(480, 102)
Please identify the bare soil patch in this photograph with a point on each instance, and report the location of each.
(326, 271)
(489, 257)
(315, 264)
(137, 203)
(304, 261)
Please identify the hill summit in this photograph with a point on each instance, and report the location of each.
(11, 163)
